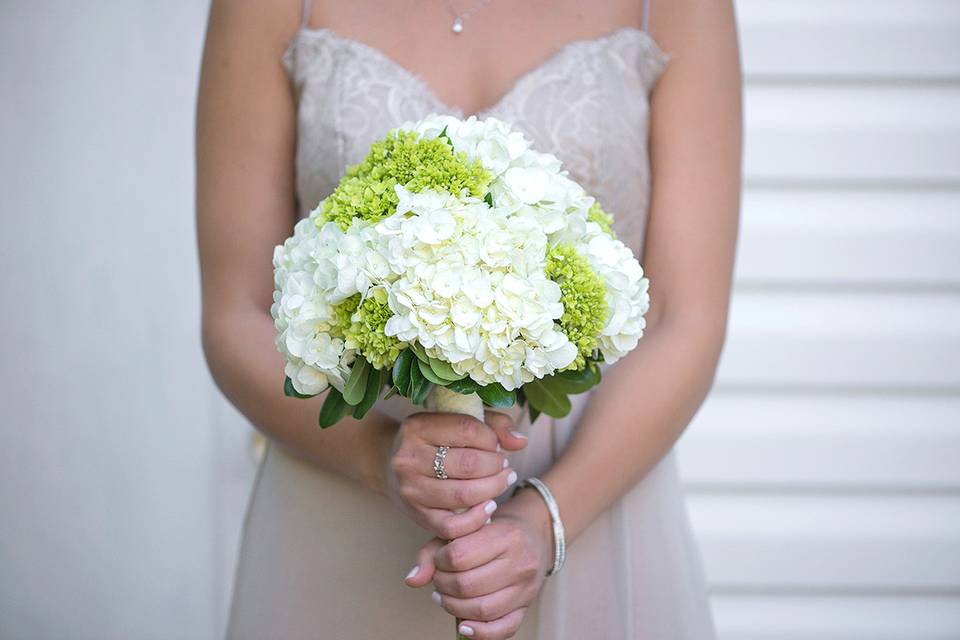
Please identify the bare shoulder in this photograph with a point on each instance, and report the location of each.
(687, 27)
(260, 22)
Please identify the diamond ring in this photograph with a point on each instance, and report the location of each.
(438, 469)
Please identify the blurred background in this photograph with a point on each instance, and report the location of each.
(823, 471)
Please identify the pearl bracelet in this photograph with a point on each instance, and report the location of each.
(559, 542)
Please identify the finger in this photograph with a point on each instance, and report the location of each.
(487, 578)
(460, 494)
(449, 525)
(422, 572)
(483, 608)
(498, 629)
(503, 426)
(463, 462)
(455, 430)
(472, 550)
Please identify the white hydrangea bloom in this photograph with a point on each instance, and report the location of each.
(628, 296)
(472, 289)
(313, 271)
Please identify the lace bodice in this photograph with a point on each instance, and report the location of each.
(587, 104)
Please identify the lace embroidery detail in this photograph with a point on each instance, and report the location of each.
(587, 104)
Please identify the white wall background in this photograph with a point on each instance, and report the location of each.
(824, 471)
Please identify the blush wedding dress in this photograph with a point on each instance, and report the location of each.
(322, 557)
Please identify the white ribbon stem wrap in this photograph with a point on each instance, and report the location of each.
(441, 399)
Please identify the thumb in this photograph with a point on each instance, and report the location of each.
(503, 425)
(422, 572)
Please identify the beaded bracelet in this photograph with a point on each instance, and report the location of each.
(559, 542)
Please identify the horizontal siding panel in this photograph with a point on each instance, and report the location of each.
(844, 339)
(796, 617)
(857, 39)
(843, 236)
(809, 442)
(863, 543)
(863, 134)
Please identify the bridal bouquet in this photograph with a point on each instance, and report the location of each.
(456, 266)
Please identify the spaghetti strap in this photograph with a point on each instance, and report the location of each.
(305, 15)
(646, 15)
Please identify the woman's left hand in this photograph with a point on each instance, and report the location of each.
(490, 577)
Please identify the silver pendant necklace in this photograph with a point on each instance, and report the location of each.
(458, 18)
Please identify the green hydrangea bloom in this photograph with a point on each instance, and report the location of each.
(365, 331)
(367, 189)
(602, 218)
(584, 299)
(343, 316)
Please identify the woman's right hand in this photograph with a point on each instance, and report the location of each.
(476, 467)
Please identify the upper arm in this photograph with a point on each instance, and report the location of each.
(695, 147)
(245, 143)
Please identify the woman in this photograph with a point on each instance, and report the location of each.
(290, 94)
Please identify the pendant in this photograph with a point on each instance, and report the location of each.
(457, 25)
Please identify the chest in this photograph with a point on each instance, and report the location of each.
(497, 42)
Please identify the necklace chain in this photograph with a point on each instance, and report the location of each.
(459, 17)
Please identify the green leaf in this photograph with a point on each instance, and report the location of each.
(572, 382)
(430, 375)
(589, 375)
(375, 382)
(419, 351)
(419, 386)
(547, 399)
(494, 395)
(392, 392)
(445, 371)
(401, 371)
(488, 198)
(357, 382)
(334, 408)
(289, 391)
(465, 386)
(534, 414)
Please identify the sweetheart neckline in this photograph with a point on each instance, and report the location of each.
(525, 77)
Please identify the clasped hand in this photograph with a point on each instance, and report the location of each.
(487, 573)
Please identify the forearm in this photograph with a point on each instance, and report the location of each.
(249, 371)
(633, 419)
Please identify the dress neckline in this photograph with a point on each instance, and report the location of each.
(556, 57)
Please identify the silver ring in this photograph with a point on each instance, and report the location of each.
(438, 469)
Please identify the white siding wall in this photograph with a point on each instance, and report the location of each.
(824, 470)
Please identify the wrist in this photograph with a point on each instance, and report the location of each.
(377, 472)
(528, 506)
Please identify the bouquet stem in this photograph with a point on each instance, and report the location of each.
(441, 399)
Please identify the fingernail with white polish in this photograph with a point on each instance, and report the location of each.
(511, 478)
(499, 448)
(489, 520)
(505, 463)
(465, 630)
(435, 596)
(517, 434)
(490, 507)
(413, 572)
